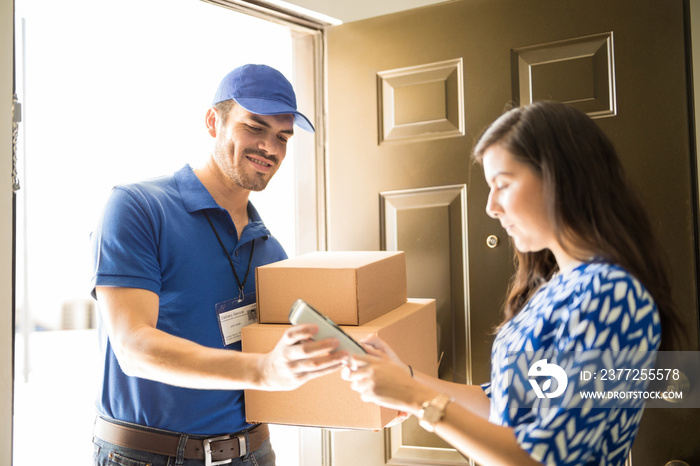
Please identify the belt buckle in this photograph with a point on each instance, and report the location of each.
(207, 449)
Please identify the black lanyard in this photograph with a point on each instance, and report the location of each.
(241, 286)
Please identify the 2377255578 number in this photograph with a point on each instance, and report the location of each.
(638, 374)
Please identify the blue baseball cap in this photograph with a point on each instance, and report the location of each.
(262, 90)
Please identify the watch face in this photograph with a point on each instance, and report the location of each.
(433, 411)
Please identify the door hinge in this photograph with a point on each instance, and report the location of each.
(16, 119)
(16, 109)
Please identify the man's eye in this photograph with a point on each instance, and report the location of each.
(254, 128)
(283, 139)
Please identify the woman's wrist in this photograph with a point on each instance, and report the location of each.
(420, 396)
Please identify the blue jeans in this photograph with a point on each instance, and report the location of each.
(107, 454)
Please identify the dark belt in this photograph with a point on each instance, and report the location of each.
(213, 451)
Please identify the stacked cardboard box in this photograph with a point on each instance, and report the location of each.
(364, 293)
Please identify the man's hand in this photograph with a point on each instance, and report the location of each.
(296, 359)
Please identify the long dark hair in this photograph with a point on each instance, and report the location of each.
(595, 211)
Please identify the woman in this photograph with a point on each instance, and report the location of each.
(590, 283)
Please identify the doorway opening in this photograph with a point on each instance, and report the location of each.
(112, 93)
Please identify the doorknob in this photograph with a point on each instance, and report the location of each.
(676, 463)
(492, 241)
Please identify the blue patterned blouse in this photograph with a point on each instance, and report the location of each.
(596, 320)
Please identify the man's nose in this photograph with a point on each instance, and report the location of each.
(270, 144)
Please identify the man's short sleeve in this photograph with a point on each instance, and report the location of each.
(124, 244)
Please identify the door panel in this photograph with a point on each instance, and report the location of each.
(408, 94)
(429, 224)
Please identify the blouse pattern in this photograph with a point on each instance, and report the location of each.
(595, 317)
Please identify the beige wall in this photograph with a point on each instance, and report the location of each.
(6, 30)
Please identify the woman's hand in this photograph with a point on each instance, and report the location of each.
(378, 347)
(379, 379)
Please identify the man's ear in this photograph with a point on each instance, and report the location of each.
(211, 119)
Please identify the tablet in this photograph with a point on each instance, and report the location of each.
(303, 313)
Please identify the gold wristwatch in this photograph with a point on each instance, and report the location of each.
(433, 411)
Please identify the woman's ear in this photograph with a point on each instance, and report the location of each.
(211, 119)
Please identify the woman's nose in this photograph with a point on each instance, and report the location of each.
(493, 209)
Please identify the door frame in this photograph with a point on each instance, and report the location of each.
(6, 231)
(693, 43)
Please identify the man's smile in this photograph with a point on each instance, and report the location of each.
(258, 161)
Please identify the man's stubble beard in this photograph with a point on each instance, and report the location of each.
(255, 182)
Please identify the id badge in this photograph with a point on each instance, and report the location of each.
(233, 315)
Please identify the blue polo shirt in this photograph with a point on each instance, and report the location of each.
(154, 235)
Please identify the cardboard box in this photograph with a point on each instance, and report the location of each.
(329, 401)
(351, 288)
